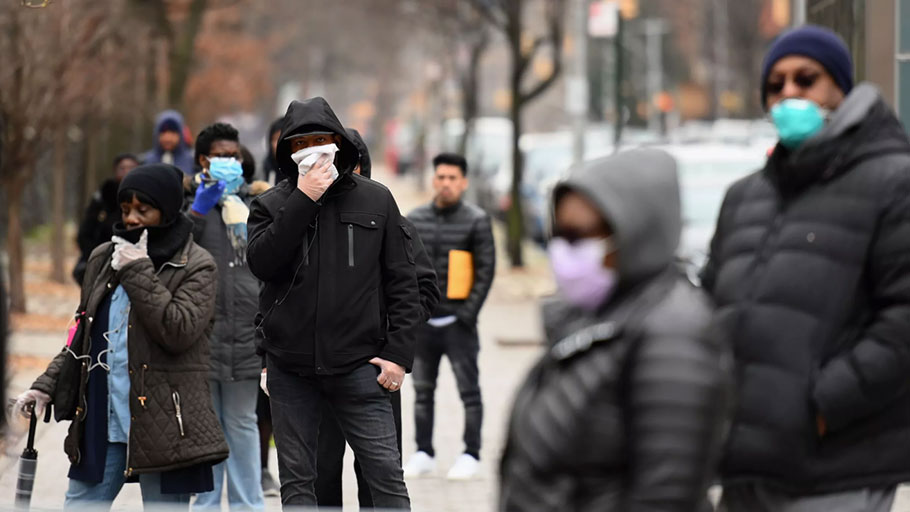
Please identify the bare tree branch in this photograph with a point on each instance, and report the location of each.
(494, 17)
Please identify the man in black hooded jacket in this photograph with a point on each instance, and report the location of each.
(339, 304)
(330, 460)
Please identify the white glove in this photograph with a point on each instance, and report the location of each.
(306, 158)
(125, 252)
(263, 382)
(32, 396)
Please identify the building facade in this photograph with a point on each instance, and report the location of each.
(878, 32)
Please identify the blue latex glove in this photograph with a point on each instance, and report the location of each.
(207, 196)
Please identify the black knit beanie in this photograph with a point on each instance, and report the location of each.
(158, 185)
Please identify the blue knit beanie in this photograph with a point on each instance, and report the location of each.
(817, 43)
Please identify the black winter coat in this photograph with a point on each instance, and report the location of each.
(340, 284)
(810, 270)
(626, 410)
(97, 224)
(462, 227)
(233, 340)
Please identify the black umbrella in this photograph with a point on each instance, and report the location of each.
(28, 463)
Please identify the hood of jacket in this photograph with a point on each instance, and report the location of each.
(183, 154)
(637, 194)
(864, 126)
(313, 115)
(366, 165)
(172, 117)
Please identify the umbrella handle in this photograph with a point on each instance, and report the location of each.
(32, 426)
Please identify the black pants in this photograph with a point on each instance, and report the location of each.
(363, 410)
(461, 345)
(330, 460)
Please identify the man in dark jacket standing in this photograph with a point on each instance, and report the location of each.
(339, 304)
(330, 456)
(219, 212)
(810, 271)
(459, 240)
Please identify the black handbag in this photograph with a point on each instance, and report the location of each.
(72, 373)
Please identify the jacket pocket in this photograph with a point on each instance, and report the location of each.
(361, 226)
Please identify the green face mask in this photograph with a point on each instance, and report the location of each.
(797, 120)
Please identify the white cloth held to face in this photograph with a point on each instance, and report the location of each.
(306, 158)
(125, 252)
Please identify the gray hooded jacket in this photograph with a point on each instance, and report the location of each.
(626, 409)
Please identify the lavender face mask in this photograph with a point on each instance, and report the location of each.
(580, 273)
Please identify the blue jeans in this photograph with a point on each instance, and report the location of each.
(235, 406)
(100, 496)
(364, 413)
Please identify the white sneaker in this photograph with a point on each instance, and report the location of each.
(420, 464)
(466, 467)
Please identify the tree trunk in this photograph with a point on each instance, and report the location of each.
(14, 246)
(58, 202)
(470, 100)
(183, 50)
(516, 210)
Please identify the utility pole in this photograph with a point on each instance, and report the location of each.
(654, 31)
(721, 54)
(799, 12)
(617, 89)
(578, 84)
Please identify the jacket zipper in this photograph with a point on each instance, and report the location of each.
(142, 398)
(175, 396)
(350, 245)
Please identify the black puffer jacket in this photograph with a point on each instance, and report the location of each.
(353, 295)
(463, 227)
(810, 270)
(233, 339)
(626, 409)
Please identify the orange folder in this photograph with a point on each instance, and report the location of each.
(461, 275)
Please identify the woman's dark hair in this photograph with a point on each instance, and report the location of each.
(451, 159)
(211, 133)
(249, 164)
(124, 156)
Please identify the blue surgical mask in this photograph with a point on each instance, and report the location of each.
(797, 120)
(227, 170)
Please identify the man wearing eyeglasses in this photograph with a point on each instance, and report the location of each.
(222, 192)
(810, 272)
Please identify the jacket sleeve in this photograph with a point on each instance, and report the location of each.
(678, 390)
(175, 321)
(274, 238)
(872, 374)
(428, 286)
(400, 291)
(484, 251)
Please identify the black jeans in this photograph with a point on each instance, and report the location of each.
(461, 345)
(364, 412)
(330, 460)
